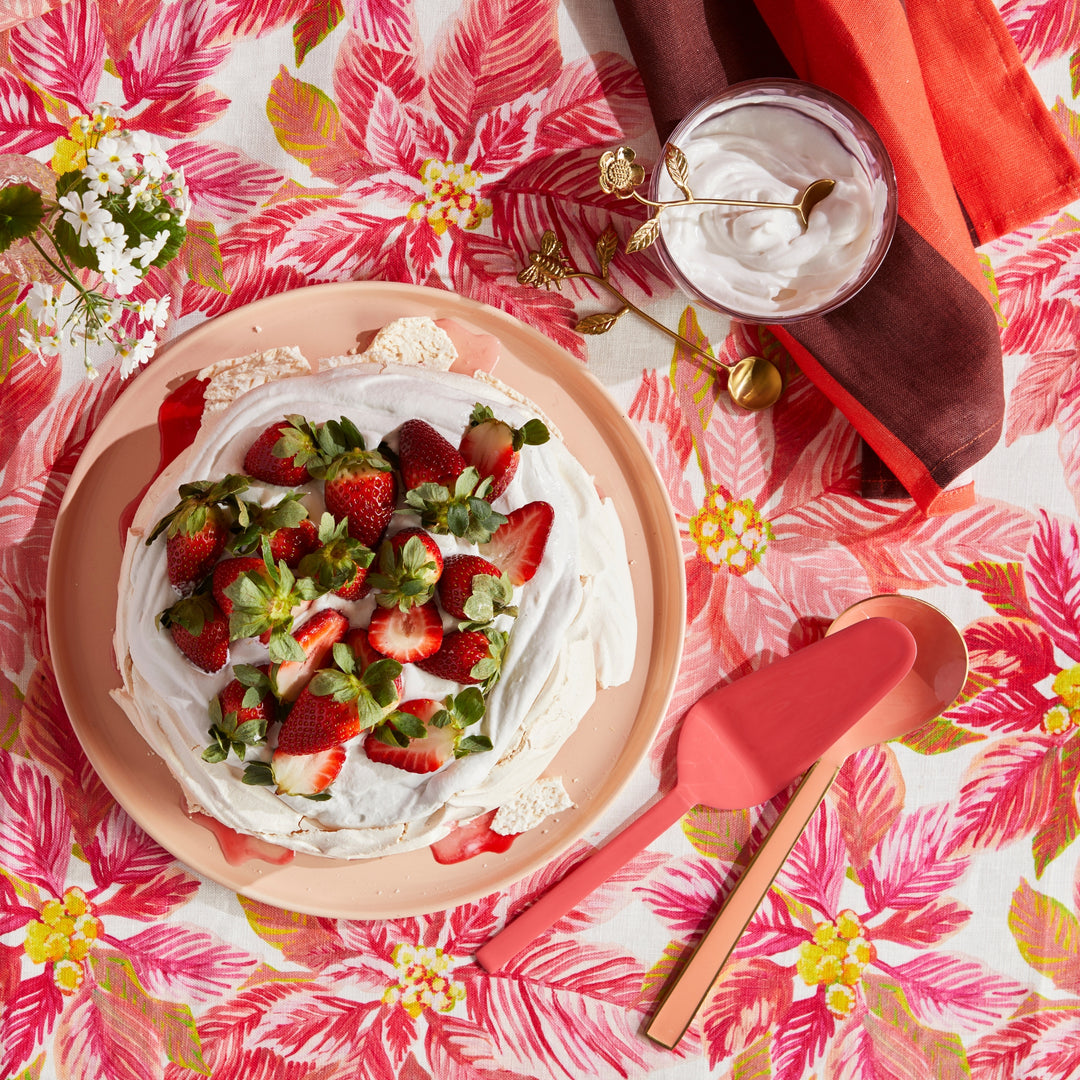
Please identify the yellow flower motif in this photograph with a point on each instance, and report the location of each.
(70, 153)
(848, 924)
(619, 174)
(452, 197)
(732, 536)
(836, 958)
(825, 933)
(423, 981)
(1067, 687)
(840, 1000)
(1057, 720)
(61, 936)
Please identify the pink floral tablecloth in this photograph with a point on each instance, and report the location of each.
(429, 142)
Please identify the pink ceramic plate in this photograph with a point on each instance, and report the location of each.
(85, 557)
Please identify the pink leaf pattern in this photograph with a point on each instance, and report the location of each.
(432, 144)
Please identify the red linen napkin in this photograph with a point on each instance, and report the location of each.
(914, 360)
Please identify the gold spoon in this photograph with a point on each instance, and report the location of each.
(808, 198)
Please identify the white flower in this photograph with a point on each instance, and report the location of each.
(42, 301)
(112, 242)
(135, 352)
(155, 312)
(28, 340)
(85, 215)
(112, 153)
(122, 275)
(104, 179)
(150, 249)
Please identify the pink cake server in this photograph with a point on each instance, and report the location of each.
(739, 746)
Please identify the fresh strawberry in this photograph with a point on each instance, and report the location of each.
(317, 722)
(200, 630)
(366, 654)
(361, 486)
(316, 638)
(240, 714)
(339, 702)
(469, 838)
(339, 564)
(475, 589)
(197, 528)
(462, 510)
(292, 534)
(286, 453)
(406, 636)
(493, 446)
(227, 571)
(307, 775)
(426, 457)
(422, 735)
(518, 545)
(468, 656)
(410, 563)
(292, 543)
(264, 603)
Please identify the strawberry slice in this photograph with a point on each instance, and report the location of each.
(426, 457)
(469, 838)
(286, 453)
(316, 638)
(200, 630)
(422, 735)
(475, 589)
(406, 636)
(361, 486)
(198, 527)
(307, 775)
(518, 545)
(468, 656)
(493, 446)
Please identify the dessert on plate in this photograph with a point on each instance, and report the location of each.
(364, 610)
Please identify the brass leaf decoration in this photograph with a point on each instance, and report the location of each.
(607, 243)
(600, 323)
(678, 169)
(643, 236)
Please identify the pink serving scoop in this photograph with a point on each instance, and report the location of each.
(738, 746)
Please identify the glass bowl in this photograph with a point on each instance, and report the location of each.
(765, 140)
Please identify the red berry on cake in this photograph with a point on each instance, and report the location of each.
(240, 714)
(410, 564)
(406, 636)
(361, 487)
(493, 446)
(317, 722)
(426, 457)
(339, 563)
(474, 589)
(306, 775)
(518, 545)
(468, 656)
(200, 630)
(462, 510)
(316, 638)
(197, 529)
(286, 453)
(366, 654)
(422, 735)
(292, 534)
(227, 571)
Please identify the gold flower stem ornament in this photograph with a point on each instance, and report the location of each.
(620, 176)
(753, 382)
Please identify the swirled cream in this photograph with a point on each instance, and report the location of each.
(760, 262)
(575, 630)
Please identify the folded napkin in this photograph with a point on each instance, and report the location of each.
(914, 360)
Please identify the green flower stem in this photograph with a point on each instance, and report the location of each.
(68, 275)
(628, 306)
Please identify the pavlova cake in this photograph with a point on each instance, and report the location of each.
(371, 601)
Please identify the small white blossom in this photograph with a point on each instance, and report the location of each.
(123, 276)
(42, 301)
(112, 153)
(85, 215)
(28, 340)
(150, 249)
(112, 242)
(155, 312)
(135, 352)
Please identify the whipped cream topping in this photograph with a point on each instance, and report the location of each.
(575, 630)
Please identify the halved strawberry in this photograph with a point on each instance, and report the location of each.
(361, 486)
(475, 589)
(200, 630)
(518, 545)
(494, 446)
(406, 636)
(410, 563)
(316, 638)
(197, 528)
(339, 564)
(469, 838)
(239, 715)
(468, 656)
(227, 571)
(307, 775)
(286, 453)
(426, 457)
(422, 735)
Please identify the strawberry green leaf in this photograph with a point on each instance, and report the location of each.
(21, 213)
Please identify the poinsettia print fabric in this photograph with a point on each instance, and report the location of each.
(927, 923)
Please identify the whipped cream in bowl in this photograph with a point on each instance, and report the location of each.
(575, 630)
(765, 141)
